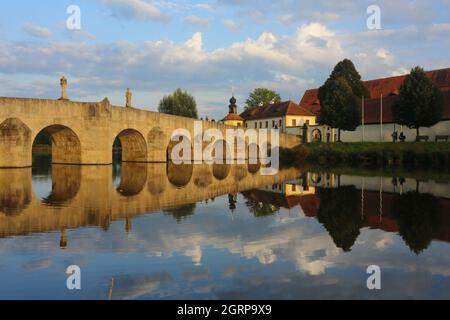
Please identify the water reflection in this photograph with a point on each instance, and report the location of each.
(222, 232)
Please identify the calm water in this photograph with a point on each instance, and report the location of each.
(141, 231)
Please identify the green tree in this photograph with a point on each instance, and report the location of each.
(418, 217)
(347, 70)
(339, 106)
(262, 95)
(180, 103)
(181, 213)
(340, 214)
(339, 97)
(420, 103)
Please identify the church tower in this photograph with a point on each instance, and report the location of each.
(233, 119)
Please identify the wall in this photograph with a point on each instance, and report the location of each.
(372, 132)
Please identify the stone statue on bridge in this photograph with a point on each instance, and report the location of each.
(63, 83)
(128, 96)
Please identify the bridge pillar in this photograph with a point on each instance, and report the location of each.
(15, 144)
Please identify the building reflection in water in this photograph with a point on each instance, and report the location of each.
(417, 210)
(82, 196)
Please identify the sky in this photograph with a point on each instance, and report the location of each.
(210, 48)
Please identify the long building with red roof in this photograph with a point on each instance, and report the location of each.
(378, 117)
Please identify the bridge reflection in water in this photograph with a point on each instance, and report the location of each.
(83, 196)
(88, 195)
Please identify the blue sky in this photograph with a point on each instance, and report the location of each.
(208, 47)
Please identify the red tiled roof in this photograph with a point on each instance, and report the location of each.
(232, 116)
(389, 88)
(275, 110)
(372, 109)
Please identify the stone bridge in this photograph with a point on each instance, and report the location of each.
(81, 196)
(84, 132)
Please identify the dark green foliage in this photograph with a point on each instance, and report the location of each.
(339, 108)
(262, 95)
(420, 103)
(370, 154)
(181, 213)
(347, 70)
(180, 103)
(340, 214)
(339, 97)
(261, 209)
(418, 219)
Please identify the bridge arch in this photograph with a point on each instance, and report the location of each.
(65, 185)
(133, 146)
(133, 177)
(179, 175)
(65, 144)
(184, 154)
(221, 171)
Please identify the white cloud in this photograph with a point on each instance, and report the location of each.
(287, 63)
(196, 21)
(138, 10)
(385, 55)
(230, 24)
(37, 31)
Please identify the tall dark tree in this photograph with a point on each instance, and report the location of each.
(418, 217)
(347, 70)
(262, 95)
(339, 106)
(180, 103)
(339, 97)
(340, 214)
(420, 103)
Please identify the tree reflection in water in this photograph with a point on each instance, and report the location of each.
(261, 209)
(418, 217)
(340, 215)
(181, 213)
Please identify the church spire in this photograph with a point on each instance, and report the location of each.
(233, 106)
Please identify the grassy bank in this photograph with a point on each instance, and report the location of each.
(409, 154)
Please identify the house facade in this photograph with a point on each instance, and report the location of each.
(286, 116)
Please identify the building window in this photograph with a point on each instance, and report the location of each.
(256, 125)
(281, 124)
(307, 122)
(294, 122)
(260, 125)
(273, 124)
(267, 124)
(294, 187)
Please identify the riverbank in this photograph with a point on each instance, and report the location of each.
(408, 154)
